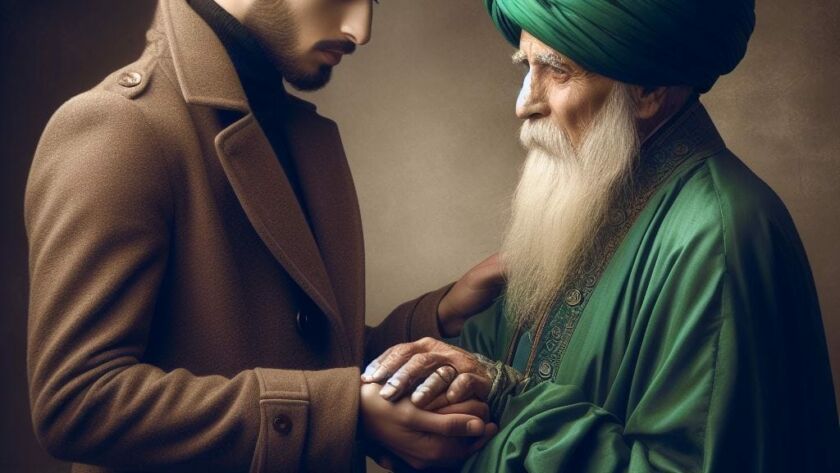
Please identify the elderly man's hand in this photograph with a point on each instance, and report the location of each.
(449, 374)
(474, 292)
(421, 438)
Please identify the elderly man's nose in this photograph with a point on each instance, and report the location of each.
(531, 103)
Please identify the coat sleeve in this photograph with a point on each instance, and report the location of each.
(410, 321)
(710, 386)
(98, 211)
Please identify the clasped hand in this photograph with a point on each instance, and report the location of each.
(446, 418)
(449, 389)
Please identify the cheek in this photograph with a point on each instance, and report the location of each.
(569, 110)
(316, 21)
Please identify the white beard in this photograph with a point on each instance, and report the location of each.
(561, 202)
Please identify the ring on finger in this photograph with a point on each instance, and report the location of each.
(447, 373)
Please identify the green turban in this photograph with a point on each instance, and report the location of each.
(643, 42)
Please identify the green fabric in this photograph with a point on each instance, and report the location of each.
(645, 42)
(701, 347)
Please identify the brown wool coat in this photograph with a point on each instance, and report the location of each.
(168, 258)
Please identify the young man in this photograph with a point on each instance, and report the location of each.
(660, 313)
(197, 280)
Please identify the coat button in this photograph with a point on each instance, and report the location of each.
(282, 424)
(310, 323)
(304, 323)
(130, 79)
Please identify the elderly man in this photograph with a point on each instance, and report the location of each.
(660, 314)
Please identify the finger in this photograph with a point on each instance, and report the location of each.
(490, 430)
(450, 425)
(472, 407)
(370, 369)
(467, 386)
(418, 367)
(443, 452)
(437, 403)
(434, 385)
(388, 362)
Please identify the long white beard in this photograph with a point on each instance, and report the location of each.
(562, 201)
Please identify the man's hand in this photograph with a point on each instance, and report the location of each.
(421, 438)
(474, 292)
(449, 374)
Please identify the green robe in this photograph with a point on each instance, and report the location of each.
(691, 341)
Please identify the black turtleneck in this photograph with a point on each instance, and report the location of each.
(261, 81)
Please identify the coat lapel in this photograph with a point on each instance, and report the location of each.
(269, 202)
(330, 195)
(207, 77)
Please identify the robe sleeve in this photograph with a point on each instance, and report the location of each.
(700, 385)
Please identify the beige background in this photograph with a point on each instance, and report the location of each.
(426, 112)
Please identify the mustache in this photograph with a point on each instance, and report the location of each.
(338, 45)
(541, 134)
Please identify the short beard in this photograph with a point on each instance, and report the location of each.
(274, 25)
(562, 201)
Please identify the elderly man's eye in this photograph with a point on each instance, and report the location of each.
(559, 71)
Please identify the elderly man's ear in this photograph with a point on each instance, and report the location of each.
(656, 104)
(649, 101)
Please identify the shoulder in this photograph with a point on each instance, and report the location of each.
(124, 119)
(125, 105)
(100, 148)
(722, 200)
(93, 126)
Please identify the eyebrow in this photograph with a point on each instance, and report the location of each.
(545, 59)
(519, 57)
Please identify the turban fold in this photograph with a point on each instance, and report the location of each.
(643, 42)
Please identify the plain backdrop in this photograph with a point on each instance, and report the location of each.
(426, 114)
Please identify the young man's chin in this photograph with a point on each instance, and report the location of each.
(311, 81)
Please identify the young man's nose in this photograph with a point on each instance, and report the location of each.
(357, 22)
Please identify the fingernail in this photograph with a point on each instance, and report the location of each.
(418, 395)
(387, 391)
(369, 370)
(475, 427)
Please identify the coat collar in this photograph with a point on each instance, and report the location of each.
(205, 73)
(332, 275)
